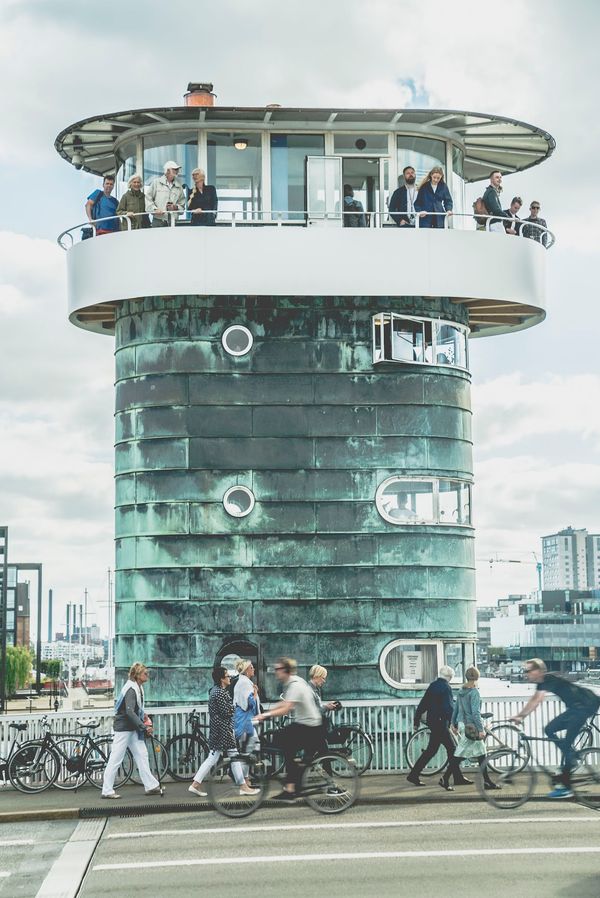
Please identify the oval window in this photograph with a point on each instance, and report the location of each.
(238, 501)
(237, 340)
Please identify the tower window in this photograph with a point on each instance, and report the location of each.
(237, 340)
(238, 501)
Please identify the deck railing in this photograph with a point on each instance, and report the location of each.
(389, 722)
(264, 218)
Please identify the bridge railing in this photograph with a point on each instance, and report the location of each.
(389, 723)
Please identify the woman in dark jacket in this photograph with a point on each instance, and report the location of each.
(132, 203)
(221, 739)
(433, 196)
(202, 202)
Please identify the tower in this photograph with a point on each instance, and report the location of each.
(293, 419)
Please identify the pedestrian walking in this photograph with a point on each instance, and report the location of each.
(468, 724)
(438, 705)
(130, 726)
(221, 739)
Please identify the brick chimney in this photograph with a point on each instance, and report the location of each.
(199, 94)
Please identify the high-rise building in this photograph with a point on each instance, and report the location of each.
(571, 559)
(293, 413)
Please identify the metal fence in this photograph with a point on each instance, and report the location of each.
(389, 723)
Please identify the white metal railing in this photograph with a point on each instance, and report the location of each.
(264, 218)
(389, 722)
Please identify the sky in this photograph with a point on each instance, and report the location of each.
(535, 393)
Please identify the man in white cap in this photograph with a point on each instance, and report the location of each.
(165, 194)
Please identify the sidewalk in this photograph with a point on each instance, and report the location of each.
(57, 804)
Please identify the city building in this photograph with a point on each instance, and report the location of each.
(560, 626)
(571, 560)
(484, 615)
(293, 416)
(74, 653)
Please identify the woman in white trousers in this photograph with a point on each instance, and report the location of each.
(131, 725)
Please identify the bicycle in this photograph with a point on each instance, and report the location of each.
(186, 751)
(329, 784)
(503, 732)
(64, 761)
(517, 777)
(83, 757)
(350, 740)
(18, 729)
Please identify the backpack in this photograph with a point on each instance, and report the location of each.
(480, 208)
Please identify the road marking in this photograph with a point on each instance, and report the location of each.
(9, 843)
(66, 873)
(4, 874)
(384, 824)
(347, 856)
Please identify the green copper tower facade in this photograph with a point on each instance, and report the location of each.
(293, 449)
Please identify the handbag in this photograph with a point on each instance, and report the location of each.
(471, 732)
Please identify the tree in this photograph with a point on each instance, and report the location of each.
(18, 667)
(52, 668)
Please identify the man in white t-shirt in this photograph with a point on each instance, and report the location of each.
(305, 732)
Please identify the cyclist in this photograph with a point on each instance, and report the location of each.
(581, 704)
(306, 730)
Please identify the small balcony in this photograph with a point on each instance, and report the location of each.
(500, 278)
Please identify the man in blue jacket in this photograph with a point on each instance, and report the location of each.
(437, 703)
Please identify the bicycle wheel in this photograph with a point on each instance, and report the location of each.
(415, 747)
(158, 759)
(225, 796)
(586, 779)
(185, 753)
(96, 760)
(33, 768)
(358, 748)
(505, 735)
(330, 783)
(514, 780)
(71, 770)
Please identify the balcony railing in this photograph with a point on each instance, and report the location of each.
(264, 218)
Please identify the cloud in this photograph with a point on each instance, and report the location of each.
(56, 406)
(509, 411)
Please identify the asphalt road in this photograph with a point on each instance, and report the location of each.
(429, 850)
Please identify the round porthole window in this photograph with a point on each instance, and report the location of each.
(237, 340)
(238, 501)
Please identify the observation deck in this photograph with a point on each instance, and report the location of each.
(279, 174)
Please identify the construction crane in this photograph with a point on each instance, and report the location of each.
(495, 559)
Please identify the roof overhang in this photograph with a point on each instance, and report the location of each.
(489, 141)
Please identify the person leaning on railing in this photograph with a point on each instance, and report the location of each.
(100, 204)
(433, 196)
(491, 201)
(203, 200)
(531, 231)
(165, 194)
(133, 205)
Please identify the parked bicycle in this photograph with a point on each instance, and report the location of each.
(17, 730)
(501, 734)
(186, 751)
(63, 760)
(511, 770)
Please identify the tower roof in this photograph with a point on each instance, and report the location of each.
(490, 141)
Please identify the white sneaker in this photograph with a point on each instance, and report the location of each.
(248, 791)
(197, 792)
